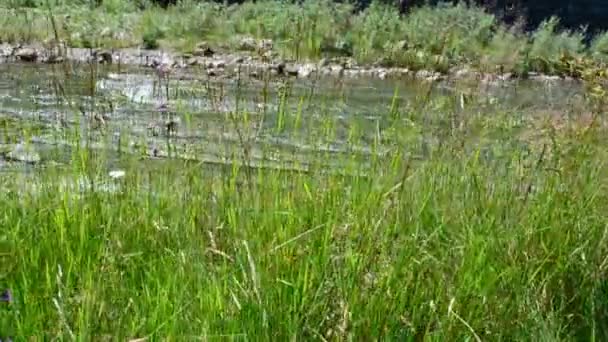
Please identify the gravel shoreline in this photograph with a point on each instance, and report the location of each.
(227, 65)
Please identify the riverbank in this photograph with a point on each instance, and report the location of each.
(231, 65)
(325, 38)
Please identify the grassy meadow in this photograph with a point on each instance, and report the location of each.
(468, 220)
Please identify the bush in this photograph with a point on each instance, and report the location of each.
(548, 46)
(151, 38)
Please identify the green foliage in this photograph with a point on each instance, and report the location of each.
(151, 38)
(430, 37)
(505, 51)
(548, 45)
(599, 47)
(459, 32)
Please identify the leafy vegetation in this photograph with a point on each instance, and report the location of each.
(438, 37)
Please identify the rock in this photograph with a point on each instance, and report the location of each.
(365, 72)
(543, 78)
(27, 54)
(462, 73)
(203, 50)
(422, 74)
(506, 76)
(247, 44)
(103, 56)
(348, 63)
(6, 50)
(279, 67)
(268, 56)
(238, 60)
(291, 70)
(382, 74)
(305, 70)
(265, 45)
(336, 70)
(218, 64)
(23, 153)
(427, 75)
(351, 73)
(324, 62)
(396, 72)
(53, 59)
(192, 61)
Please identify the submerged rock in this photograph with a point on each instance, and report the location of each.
(23, 153)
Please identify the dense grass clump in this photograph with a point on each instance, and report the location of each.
(438, 37)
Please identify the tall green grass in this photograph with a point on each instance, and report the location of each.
(469, 238)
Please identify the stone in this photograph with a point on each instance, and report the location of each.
(506, 76)
(238, 60)
(351, 73)
(24, 153)
(203, 50)
(279, 67)
(336, 70)
(6, 50)
(423, 74)
(291, 70)
(192, 61)
(247, 44)
(27, 54)
(103, 56)
(218, 64)
(348, 63)
(265, 45)
(462, 73)
(306, 70)
(53, 59)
